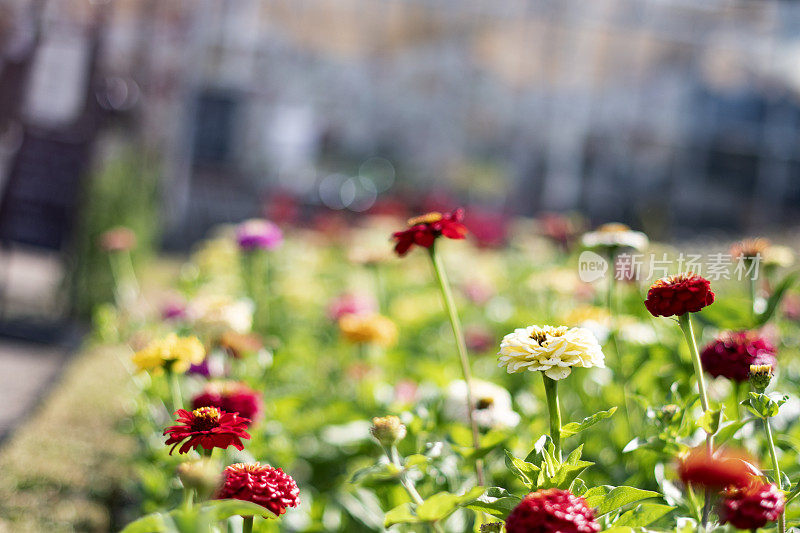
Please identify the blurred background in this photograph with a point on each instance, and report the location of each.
(172, 116)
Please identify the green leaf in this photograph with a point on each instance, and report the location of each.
(727, 431)
(607, 499)
(776, 297)
(378, 472)
(442, 504)
(402, 514)
(710, 421)
(763, 406)
(643, 515)
(497, 502)
(523, 470)
(222, 509)
(152, 523)
(731, 312)
(573, 428)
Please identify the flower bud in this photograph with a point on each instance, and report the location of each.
(202, 475)
(760, 376)
(387, 430)
(492, 527)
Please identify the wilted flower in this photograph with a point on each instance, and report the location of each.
(552, 511)
(750, 249)
(232, 397)
(202, 475)
(118, 239)
(207, 427)
(268, 487)
(751, 507)
(552, 350)
(492, 407)
(171, 353)
(387, 430)
(425, 229)
(760, 376)
(238, 345)
(615, 235)
(258, 234)
(678, 295)
(731, 354)
(368, 329)
(716, 471)
(350, 304)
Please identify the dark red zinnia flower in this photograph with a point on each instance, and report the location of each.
(232, 397)
(261, 484)
(424, 230)
(678, 295)
(552, 511)
(716, 471)
(207, 427)
(753, 506)
(731, 354)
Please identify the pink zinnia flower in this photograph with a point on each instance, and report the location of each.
(258, 234)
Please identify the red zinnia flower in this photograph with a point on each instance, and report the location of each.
(716, 471)
(232, 397)
(731, 354)
(552, 511)
(207, 427)
(753, 506)
(678, 295)
(424, 230)
(261, 484)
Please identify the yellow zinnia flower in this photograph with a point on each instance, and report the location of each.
(173, 352)
(368, 329)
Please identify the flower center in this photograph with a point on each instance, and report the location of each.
(484, 403)
(245, 468)
(613, 227)
(427, 218)
(205, 418)
(540, 334)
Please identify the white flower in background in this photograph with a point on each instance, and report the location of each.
(551, 350)
(636, 332)
(778, 256)
(615, 235)
(215, 314)
(492, 404)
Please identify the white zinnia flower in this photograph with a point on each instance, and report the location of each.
(492, 404)
(215, 314)
(613, 235)
(554, 351)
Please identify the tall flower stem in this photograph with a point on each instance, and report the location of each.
(394, 457)
(551, 390)
(247, 526)
(461, 345)
(776, 469)
(685, 322)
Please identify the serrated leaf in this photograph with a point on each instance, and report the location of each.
(573, 428)
(524, 471)
(643, 515)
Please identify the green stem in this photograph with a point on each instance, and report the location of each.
(188, 497)
(551, 390)
(612, 337)
(175, 390)
(206, 452)
(737, 396)
(776, 468)
(247, 526)
(394, 457)
(461, 346)
(685, 322)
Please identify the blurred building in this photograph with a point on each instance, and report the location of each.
(665, 113)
